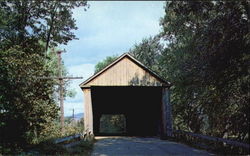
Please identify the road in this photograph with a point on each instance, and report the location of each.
(130, 146)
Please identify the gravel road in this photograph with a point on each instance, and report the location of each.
(131, 146)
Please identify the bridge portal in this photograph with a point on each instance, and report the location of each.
(141, 107)
(126, 87)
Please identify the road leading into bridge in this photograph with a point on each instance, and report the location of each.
(131, 146)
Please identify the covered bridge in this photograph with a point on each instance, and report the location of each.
(129, 88)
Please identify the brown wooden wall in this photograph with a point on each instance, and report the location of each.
(88, 113)
(125, 73)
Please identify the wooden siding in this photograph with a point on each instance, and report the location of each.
(125, 73)
(88, 113)
(167, 113)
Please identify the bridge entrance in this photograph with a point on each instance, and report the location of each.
(127, 87)
(140, 106)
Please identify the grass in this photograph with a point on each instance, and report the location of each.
(83, 148)
(49, 148)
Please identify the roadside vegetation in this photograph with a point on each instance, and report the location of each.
(30, 33)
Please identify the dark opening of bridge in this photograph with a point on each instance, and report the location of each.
(141, 107)
(113, 124)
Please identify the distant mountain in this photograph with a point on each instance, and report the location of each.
(77, 116)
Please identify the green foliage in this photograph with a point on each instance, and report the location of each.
(53, 130)
(206, 60)
(49, 148)
(113, 124)
(27, 104)
(148, 52)
(48, 21)
(101, 65)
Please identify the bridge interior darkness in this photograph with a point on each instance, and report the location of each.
(113, 124)
(141, 107)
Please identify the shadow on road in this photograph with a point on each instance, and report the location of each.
(107, 146)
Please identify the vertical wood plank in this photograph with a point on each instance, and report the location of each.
(122, 73)
(167, 113)
(88, 116)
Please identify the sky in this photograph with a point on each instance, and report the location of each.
(107, 28)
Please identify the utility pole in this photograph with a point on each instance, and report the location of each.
(61, 91)
(61, 98)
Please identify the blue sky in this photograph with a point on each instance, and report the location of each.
(105, 29)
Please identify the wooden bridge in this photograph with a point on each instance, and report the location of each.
(129, 88)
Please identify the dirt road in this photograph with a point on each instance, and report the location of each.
(130, 146)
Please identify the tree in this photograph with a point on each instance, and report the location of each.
(148, 52)
(27, 103)
(102, 64)
(47, 21)
(206, 60)
(28, 29)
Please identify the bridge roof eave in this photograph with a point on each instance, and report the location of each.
(89, 86)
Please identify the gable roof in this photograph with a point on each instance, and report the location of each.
(126, 55)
